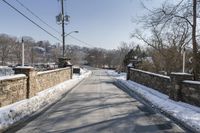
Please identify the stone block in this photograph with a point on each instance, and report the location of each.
(3, 97)
(6, 102)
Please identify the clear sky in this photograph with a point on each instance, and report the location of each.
(101, 23)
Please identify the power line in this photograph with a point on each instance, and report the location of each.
(81, 41)
(42, 22)
(30, 20)
(37, 16)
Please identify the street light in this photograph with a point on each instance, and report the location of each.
(68, 35)
(184, 56)
(71, 33)
(183, 52)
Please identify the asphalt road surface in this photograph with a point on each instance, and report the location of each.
(97, 105)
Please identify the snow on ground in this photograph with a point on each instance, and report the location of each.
(116, 75)
(83, 70)
(19, 110)
(188, 115)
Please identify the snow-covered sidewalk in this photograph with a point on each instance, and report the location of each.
(15, 112)
(186, 114)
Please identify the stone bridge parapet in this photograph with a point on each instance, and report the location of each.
(178, 86)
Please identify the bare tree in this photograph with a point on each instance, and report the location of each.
(123, 49)
(55, 52)
(17, 51)
(5, 47)
(180, 20)
(76, 54)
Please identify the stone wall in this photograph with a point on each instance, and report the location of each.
(27, 82)
(156, 81)
(191, 92)
(12, 89)
(178, 86)
(51, 78)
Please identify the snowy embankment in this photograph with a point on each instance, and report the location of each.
(186, 114)
(15, 112)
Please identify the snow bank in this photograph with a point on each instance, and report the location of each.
(83, 70)
(116, 75)
(186, 114)
(19, 110)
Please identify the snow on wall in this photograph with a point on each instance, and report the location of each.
(150, 73)
(13, 77)
(52, 71)
(191, 82)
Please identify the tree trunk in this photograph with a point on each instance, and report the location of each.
(2, 61)
(194, 43)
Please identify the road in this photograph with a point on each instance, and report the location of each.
(97, 105)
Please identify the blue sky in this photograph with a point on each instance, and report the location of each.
(101, 23)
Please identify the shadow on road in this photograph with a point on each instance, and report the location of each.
(101, 107)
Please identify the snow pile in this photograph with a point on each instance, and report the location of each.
(186, 114)
(19, 110)
(116, 75)
(82, 72)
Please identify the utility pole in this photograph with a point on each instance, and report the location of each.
(62, 19)
(63, 26)
(22, 52)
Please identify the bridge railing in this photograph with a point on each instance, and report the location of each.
(27, 82)
(178, 86)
